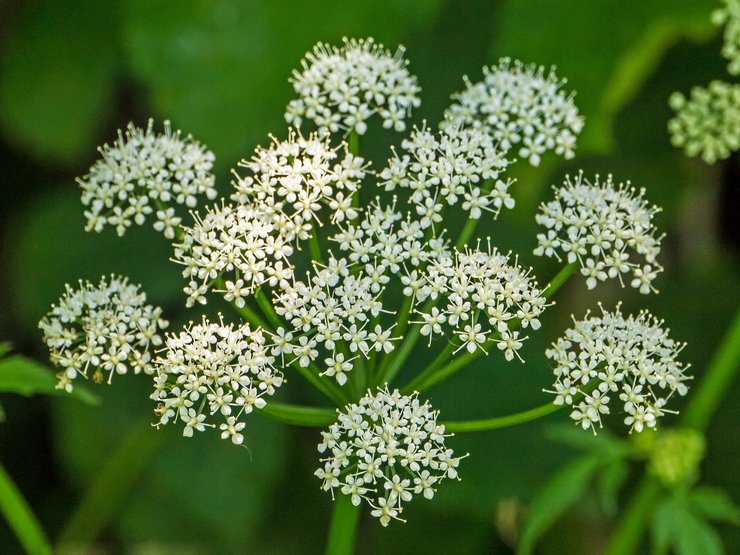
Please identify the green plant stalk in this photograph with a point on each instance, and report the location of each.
(20, 517)
(314, 248)
(267, 309)
(111, 485)
(310, 417)
(704, 403)
(502, 421)
(353, 145)
(559, 280)
(343, 526)
(466, 233)
(244, 311)
(432, 368)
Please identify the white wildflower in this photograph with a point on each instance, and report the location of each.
(612, 356)
(104, 329)
(604, 227)
(214, 372)
(519, 106)
(341, 88)
(145, 173)
(384, 450)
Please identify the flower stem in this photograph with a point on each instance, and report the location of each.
(343, 526)
(466, 233)
(310, 417)
(432, 368)
(314, 248)
(502, 421)
(267, 309)
(20, 517)
(702, 406)
(560, 278)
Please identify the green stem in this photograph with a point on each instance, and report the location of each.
(20, 517)
(558, 281)
(704, 403)
(314, 248)
(244, 311)
(432, 368)
(267, 309)
(326, 387)
(115, 480)
(310, 417)
(502, 421)
(392, 364)
(343, 526)
(466, 233)
(353, 143)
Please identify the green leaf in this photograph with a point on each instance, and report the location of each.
(562, 491)
(21, 519)
(58, 78)
(714, 504)
(609, 482)
(608, 76)
(26, 377)
(674, 525)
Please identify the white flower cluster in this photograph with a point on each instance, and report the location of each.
(729, 16)
(107, 328)
(519, 106)
(483, 294)
(236, 244)
(292, 179)
(707, 123)
(458, 164)
(385, 449)
(341, 88)
(333, 309)
(384, 241)
(214, 370)
(600, 356)
(144, 173)
(601, 226)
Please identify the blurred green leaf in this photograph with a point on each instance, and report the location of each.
(674, 525)
(607, 68)
(58, 77)
(608, 483)
(20, 517)
(26, 377)
(604, 443)
(563, 489)
(236, 57)
(714, 504)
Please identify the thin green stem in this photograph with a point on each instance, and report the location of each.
(314, 248)
(343, 527)
(244, 311)
(502, 421)
(20, 517)
(310, 417)
(403, 316)
(267, 309)
(353, 143)
(702, 406)
(325, 386)
(115, 480)
(558, 281)
(466, 233)
(432, 368)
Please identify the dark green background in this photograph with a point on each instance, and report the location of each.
(71, 73)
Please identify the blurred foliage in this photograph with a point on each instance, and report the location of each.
(71, 73)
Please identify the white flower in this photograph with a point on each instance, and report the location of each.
(457, 164)
(604, 227)
(602, 356)
(519, 106)
(107, 328)
(235, 243)
(332, 306)
(214, 371)
(480, 288)
(384, 450)
(143, 173)
(341, 88)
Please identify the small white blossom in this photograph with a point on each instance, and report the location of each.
(519, 106)
(145, 173)
(107, 328)
(341, 88)
(384, 450)
(632, 358)
(480, 288)
(603, 227)
(214, 371)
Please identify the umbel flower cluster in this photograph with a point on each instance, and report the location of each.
(341, 290)
(385, 449)
(341, 88)
(605, 228)
(214, 370)
(102, 330)
(708, 121)
(145, 173)
(630, 358)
